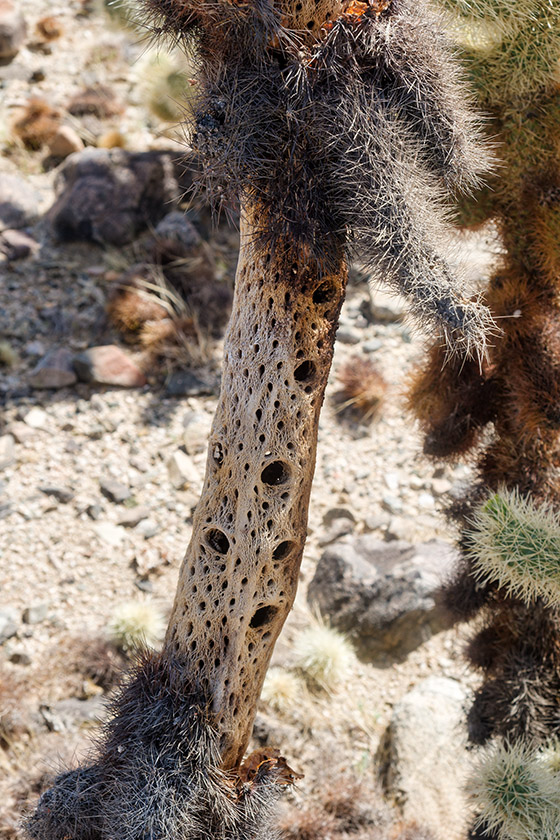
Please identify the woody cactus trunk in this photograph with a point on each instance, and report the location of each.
(506, 416)
(339, 128)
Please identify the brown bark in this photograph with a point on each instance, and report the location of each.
(239, 577)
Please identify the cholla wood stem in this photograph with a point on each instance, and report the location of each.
(239, 576)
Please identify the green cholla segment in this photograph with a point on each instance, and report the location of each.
(515, 794)
(517, 544)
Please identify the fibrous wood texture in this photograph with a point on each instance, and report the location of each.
(239, 577)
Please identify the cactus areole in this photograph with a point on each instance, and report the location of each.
(337, 127)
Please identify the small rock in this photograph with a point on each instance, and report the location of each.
(338, 528)
(183, 383)
(440, 486)
(384, 307)
(95, 512)
(426, 501)
(19, 657)
(376, 521)
(392, 504)
(392, 480)
(8, 624)
(131, 517)
(35, 614)
(176, 237)
(109, 533)
(337, 513)
(182, 471)
(149, 561)
(147, 528)
(398, 528)
(55, 370)
(383, 594)
(144, 585)
(19, 203)
(114, 490)
(348, 335)
(71, 713)
(60, 493)
(7, 451)
(196, 427)
(20, 432)
(108, 365)
(16, 245)
(372, 345)
(36, 418)
(12, 30)
(65, 142)
(427, 759)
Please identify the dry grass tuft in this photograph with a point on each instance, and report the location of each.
(136, 625)
(282, 690)
(323, 655)
(98, 100)
(36, 124)
(363, 388)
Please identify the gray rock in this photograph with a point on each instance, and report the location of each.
(108, 365)
(196, 425)
(8, 624)
(35, 614)
(95, 512)
(175, 237)
(338, 528)
(131, 517)
(392, 504)
(183, 383)
(109, 533)
(384, 307)
(182, 471)
(337, 513)
(348, 335)
(110, 195)
(55, 370)
(114, 490)
(7, 451)
(426, 757)
(19, 203)
(12, 30)
(59, 492)
(382, 594)
(72, 713)
(36, 418)
(16, 245)
(147, 528)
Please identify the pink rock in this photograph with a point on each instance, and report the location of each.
(65, 142)
(108, 365)
(16, 245)
(54, 370)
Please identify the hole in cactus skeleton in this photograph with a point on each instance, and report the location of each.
(282, 550)
(323, 293)
(263, 616)
(304, 372)
(275, 473)
(217, 540)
